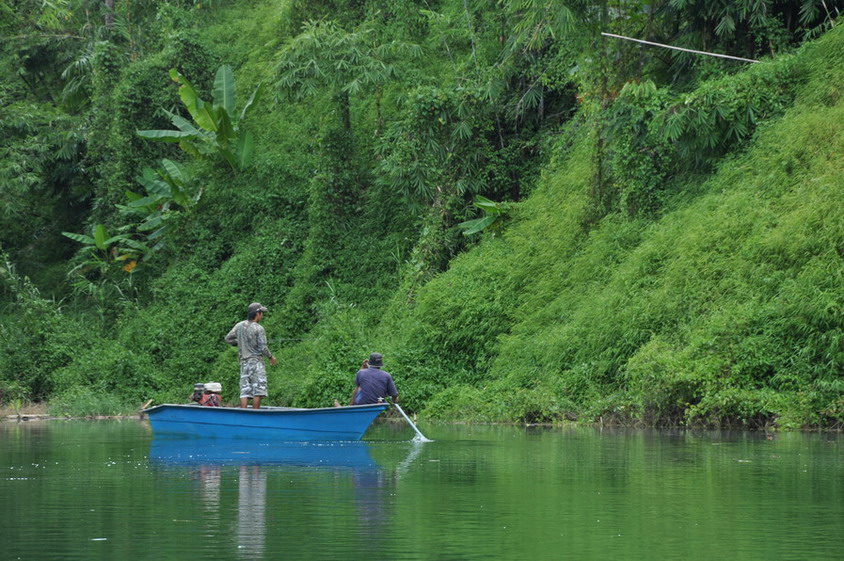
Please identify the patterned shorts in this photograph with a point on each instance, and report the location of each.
(253, 378)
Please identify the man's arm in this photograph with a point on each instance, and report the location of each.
(231, 337)
(391, 389)
(262, 344)
(354, 395)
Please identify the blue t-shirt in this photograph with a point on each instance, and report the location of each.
(374, 383)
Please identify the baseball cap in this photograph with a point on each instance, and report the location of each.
(256, 307)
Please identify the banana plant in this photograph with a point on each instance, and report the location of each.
(493, 213)
(167, 190)
(101, 249)
(215, 126)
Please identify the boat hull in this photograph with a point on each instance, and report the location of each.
(266, 423)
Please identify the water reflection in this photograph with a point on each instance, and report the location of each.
(210, 478)
(251, 512)
(477, 493)
(269, 479)
(197, 452)
(371, 489)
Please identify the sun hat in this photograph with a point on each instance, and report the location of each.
(213, 387)
(376, 359)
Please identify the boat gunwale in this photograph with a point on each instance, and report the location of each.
(264, 410)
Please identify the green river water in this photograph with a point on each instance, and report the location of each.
(108, 490)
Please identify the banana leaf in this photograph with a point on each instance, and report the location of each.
(249, 102)
(81, 238)
(244, 150)
(474, 226)
(183, 124)
(223, 93)
(165, 136)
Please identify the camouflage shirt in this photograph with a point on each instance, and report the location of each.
(250, 338)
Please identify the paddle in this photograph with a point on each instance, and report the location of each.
(419, 436)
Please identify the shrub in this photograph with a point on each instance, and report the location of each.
(111, 368)
(87, 402)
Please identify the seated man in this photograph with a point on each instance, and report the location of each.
(211, 396)
(372, 384)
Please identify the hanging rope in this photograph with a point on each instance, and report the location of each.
(678, 48)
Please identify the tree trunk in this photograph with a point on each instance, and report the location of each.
(109, 15)
(345, 110)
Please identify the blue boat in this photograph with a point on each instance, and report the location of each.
(267, 423)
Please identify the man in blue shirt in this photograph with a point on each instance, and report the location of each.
(372, 383)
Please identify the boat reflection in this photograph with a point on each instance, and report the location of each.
(192, 452)
(239, 484)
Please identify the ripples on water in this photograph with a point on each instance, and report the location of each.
(108, 490)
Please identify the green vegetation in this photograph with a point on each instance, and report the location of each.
(533, 223)
(217, 121)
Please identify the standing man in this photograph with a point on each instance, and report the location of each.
(251, 342)
(372, 383)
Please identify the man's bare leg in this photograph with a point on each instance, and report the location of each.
(256, 402)
(244, 401)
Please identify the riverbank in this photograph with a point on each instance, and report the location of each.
(26, 412)
(41, 412)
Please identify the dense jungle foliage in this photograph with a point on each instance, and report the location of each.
(532, 221)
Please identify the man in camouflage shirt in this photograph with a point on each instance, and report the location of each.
(251, 341)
